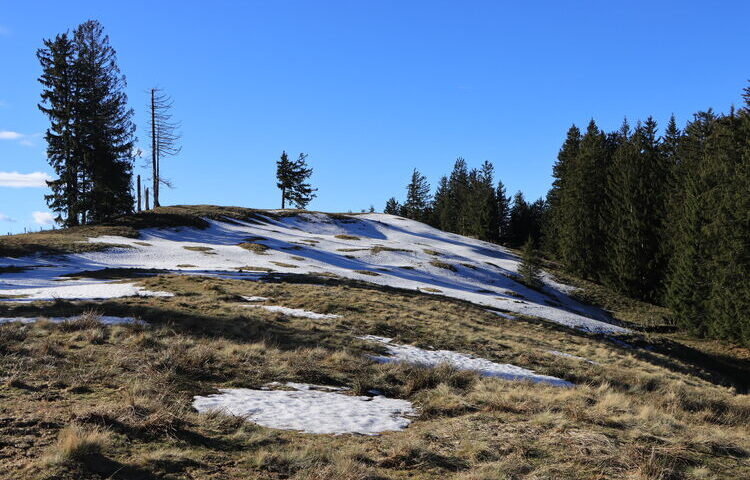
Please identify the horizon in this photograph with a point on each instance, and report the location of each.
(372, 91)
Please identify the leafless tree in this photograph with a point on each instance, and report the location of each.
(164, 137)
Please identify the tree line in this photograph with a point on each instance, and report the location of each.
(91, 142)
(661, 217)
(469, 202)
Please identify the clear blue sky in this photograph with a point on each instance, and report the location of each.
(372, 89)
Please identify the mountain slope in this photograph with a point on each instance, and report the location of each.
(376, 248)
(225, 343)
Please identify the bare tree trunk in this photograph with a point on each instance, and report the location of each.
(139, 193)
(154, 152)
(283, 197)
(147, 199)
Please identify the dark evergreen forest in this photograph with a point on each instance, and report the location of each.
(658, 215)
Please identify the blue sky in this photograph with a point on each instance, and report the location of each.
(372, 89)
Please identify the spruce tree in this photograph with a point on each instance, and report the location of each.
(529, 269)
(392, 207)
(292, 178)
(689, 279)
(483, 214)
(93, 139)
(417, 204)
(561, 209)
(458, 189)
(581, 232)
(105, 126)
(503, 213)
(440, 205)
(538, 214)
(58, 103)
(632, 197)
(728, 229)
(519, 222)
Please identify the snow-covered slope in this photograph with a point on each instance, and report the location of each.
(376, 248)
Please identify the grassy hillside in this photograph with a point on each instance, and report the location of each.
(80, 399)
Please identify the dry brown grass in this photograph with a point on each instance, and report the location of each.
(367, 272)
(252, 268)
(381, 248)
(444, 265)
(206, 250)
(344, 236)
(636, 414)
(258, 248)
(284, 265)
(75, 442)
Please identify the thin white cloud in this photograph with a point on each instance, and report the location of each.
(5, 218)
(23, 139)
(8, 135)
(23, 180)
(43, 218)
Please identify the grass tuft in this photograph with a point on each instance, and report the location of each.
(258, 248)
(446, 266)
(75, 442)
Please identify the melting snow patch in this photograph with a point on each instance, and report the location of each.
(432, 358)
(293, 312)
(83, 291)
(254, 299)
(311, 409)
(568, 355)
(105, 320)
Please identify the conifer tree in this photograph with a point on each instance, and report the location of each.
(581, 232)
(440, 205)
(519, 222)
(483, 212)
(458, 189)
(689, 281)
(291, 179)
(106, 130)
(93, 139)
(503, 213)
(392, 207)
(561, 211)
(417, 204)
(636, 209)
(529, 269)
(58, 103)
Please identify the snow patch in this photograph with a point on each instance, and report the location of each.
(254, 299)
(310, 409)
(432, 358)
(79, 291)
(293, 312)
(568, 355)
(104, 320)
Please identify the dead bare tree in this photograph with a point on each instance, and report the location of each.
(164, 137)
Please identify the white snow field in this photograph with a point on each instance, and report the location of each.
(433, 358)
(375, 248)
(310, 409)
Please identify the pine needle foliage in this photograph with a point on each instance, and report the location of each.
(292, 178)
